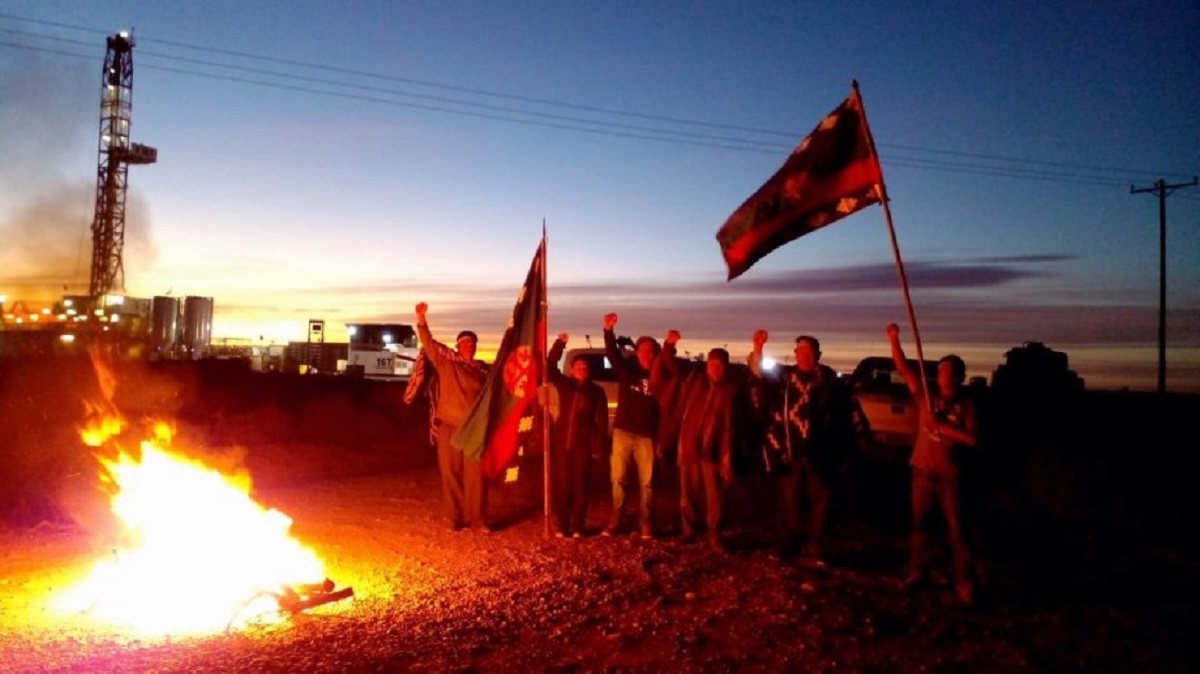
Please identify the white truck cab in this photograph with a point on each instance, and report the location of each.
(381, 350)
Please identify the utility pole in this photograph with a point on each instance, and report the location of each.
(1162, 189)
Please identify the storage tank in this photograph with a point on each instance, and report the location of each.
(197, 326)
(164, 326)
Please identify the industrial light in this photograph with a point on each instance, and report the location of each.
(66, 338)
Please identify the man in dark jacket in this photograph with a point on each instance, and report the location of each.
(635, 429)
(580, 432)
(710, 423)
(811, 424)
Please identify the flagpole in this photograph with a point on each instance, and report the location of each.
(541, 340)
(887, 213)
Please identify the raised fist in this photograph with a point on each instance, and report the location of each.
(760, 338)
(673, 336)
(421, 309)
(892, 330)
(563, 337)
(610, 321)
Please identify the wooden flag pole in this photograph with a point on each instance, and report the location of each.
(542, 386)
(887, 212)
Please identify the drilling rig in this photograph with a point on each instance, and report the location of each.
(105, 314)
(116, 154)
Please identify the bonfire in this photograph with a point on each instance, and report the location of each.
(193, 552)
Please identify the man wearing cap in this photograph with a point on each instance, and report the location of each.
(711, 416)
(460, 380)
(635, 428)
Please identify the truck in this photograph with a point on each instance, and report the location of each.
(602, 372)
(383, 351)
(883, 395)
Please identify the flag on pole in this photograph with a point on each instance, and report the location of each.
(500, 423)
(832, 173)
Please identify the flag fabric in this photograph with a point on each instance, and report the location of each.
(501, 422)
(832, 173)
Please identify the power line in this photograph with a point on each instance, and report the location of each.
(995, 165)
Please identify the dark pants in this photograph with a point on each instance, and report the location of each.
(570, 473)
(803, 482)
(463, 488)
(695, 480)
(926, 489)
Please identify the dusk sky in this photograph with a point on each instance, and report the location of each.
(346, 160)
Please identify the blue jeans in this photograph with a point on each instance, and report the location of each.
(640, 449)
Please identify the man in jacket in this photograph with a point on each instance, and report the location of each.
(579, 433)
(710, 423)
(460, 379)
(635, 429)
(811, 424)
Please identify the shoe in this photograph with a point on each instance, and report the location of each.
(611, 530)
(559, 534)
(576, 535)
(965, 592)
(714, 540)
(787, 553)
(456, 526)
(647, 532)
(815, 555)
(687, 537)
(912, 581)
(484, 528)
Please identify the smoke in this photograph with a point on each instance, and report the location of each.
(49, 119)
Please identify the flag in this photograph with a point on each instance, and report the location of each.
(501, 421)
(832, 173)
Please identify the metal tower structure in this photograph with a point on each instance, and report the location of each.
(116, 154)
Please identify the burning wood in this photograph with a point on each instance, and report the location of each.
(297, 598)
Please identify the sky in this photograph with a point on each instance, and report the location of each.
(344, 161)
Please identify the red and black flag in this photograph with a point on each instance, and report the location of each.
(832, 173)
(501, 421)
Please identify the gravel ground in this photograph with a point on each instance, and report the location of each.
(1085, 568)
(428, 599)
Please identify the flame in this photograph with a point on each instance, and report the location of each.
(197, 553)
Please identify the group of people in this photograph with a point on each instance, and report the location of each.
(800, 421)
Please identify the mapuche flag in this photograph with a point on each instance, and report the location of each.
(500, 422)
(832, 173)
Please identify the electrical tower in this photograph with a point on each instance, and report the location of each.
(116, 154)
